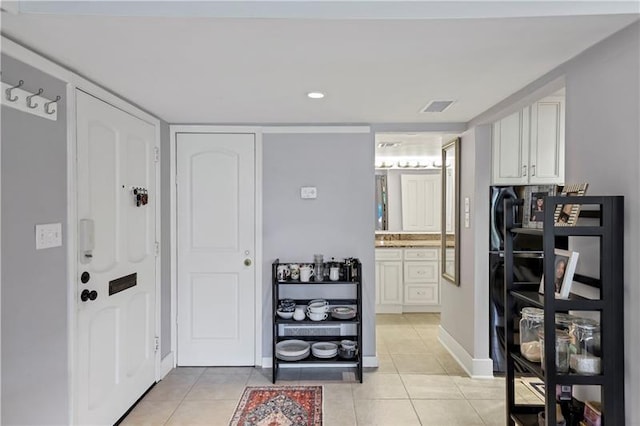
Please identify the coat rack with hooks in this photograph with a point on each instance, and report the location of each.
(15, 96)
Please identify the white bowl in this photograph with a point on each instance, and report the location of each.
(318, 309)
(285, 315)
(324, 349)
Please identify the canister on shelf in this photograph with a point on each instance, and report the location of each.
(585, 347)
(562, 350)
(531, 323)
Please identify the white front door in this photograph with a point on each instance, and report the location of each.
(115, 360)
(216, 246)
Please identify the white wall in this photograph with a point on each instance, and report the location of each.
(339, 223)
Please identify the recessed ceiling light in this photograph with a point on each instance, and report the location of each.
(315, 95)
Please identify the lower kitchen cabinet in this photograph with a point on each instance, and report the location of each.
(407, 280)
(389, 280)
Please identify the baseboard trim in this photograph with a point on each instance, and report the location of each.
(478, 368)
(166, 365)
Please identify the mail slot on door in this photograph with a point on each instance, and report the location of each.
(122, 283)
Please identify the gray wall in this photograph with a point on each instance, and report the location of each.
(165, 235)
(602, 122)
(34, 283)
(602, 134)
(462, 316)
(339, 223)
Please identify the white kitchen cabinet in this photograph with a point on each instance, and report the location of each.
(389, 281)
(528, 145)
(546, 147)
(421, 276)
(421, 202)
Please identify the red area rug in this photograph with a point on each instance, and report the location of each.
(279, 406)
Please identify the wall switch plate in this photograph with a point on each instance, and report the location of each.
(466, 204)
(308, 192)
(467, 220)
(48, 235)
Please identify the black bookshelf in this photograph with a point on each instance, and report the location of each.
(312, 287)
(610, 233)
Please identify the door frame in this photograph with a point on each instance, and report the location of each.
(174, 130)
(77, 82)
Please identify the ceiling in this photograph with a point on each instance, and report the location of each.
(206, 69)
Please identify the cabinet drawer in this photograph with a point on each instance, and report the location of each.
(421, 254)
(421, 272)
(421, 294)
(388, 254)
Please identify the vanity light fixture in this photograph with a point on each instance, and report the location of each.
(315, 95)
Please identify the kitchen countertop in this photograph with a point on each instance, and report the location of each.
(407, 243)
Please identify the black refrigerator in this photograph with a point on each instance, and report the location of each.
(527, 268)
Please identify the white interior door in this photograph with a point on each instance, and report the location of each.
(116, 260)
(216, 245)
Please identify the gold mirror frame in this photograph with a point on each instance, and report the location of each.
(451, 208)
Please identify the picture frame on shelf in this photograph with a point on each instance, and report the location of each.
(567, 214)
(533, 215)
(564, 267)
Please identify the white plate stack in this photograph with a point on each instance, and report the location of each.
(292, 350)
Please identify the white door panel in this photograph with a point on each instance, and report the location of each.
(116, 329)
(216, 234)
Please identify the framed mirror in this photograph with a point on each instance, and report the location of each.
(450, 229)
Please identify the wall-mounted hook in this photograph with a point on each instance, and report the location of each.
(46, 106)
(10, 89)
(30, 97)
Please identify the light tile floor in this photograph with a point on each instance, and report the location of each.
(417, 383)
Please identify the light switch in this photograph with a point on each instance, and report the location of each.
(467, 220)
(466, 204)
(48, 235)
(308, 192)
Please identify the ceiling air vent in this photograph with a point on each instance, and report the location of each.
(437, 106)
(388, 144)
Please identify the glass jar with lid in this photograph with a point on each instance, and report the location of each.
(562, 350)
(585, 347)
(531, 323)
(564, 321)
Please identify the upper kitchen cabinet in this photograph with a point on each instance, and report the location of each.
(421, 202)
(528, 146)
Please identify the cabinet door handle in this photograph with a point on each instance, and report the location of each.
(524, 170)
(533, 170)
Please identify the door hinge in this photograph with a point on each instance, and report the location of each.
(156, 154)
(156, 344)
(157, 248)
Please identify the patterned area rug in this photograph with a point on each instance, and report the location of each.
(279, 406)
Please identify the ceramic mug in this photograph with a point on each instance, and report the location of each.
(295, 271)
(317, 316)
(283, 272)
(298, 314)
(306, 272)
(317, 309)
(334, 273)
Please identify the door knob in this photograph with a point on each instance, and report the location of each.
(247, 262)
(88, 295)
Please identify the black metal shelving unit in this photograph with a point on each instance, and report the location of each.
(357, 321)
(610, 233)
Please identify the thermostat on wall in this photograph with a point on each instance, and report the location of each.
(307, 192)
